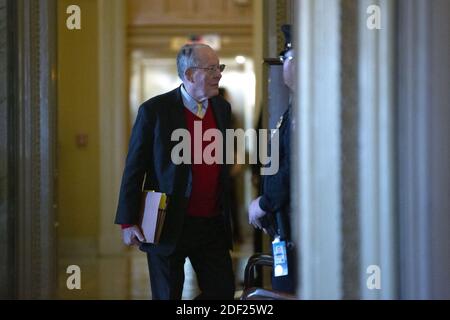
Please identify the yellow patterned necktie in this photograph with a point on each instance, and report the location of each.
(199, 110)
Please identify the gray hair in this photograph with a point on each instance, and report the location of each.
(187, 57)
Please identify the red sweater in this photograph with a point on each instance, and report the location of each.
(205, 177)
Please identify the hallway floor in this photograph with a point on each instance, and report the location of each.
(126, 276)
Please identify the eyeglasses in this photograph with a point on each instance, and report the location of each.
(212, 69)
(284, 58)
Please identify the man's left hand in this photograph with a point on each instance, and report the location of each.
(255, 213)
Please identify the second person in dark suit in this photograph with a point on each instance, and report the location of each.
(274, 202)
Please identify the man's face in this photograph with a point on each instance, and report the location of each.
(289, 69)
(204, 83)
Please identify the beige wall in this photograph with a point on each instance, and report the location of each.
(78, 167)
(91, 102)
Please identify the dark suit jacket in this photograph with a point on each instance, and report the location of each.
(149, 153)
(276, 189)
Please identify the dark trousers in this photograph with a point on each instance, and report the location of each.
(203, 241)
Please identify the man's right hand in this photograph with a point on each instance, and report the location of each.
(255, 213)
(132, 236)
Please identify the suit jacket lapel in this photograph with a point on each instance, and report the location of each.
(177, 120)
(177, 117)
(218, 115)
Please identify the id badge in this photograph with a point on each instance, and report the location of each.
(280, 266)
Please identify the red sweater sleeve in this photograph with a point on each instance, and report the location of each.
(124, 226)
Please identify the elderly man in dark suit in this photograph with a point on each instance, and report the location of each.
(197, 223)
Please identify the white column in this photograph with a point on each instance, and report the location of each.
(113, 106)
(376, 149)
(318, 149)
(113, 109)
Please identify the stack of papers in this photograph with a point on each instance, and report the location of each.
(153, 215)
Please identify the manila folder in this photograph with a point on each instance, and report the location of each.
(153, 215)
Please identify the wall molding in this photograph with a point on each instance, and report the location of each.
(423, 142)
(8, 203)
(349, 148)
(36, 248)
(157, 39)
(169, 13)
